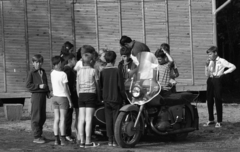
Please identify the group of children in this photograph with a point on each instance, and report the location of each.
(82, 80)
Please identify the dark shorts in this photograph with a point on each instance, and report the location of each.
(60, 102)
(87, 100)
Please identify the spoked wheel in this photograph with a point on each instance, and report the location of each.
(125, 134)
(188, 124)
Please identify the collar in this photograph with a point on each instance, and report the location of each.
(217, 58)
(34, 70)
(109, 65)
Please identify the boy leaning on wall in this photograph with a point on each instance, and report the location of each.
(37, 84)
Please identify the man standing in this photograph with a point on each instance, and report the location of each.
(135, 47)
(214, 70)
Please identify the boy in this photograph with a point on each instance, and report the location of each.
(126, 64)
(214, 70)
(71, 76)
(164, 71)
(61, 100)
(37, 84)
(112, 92)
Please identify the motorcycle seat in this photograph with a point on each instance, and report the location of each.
(178, 99)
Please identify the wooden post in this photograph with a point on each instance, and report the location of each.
(167, 22)
(143, 22)
(214, 12)
(96, 20)
(26, 35)
(191, 41)
(120, 17)
(73, 26)
(50, 30)
(3, 48)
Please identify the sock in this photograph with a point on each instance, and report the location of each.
(56, 137)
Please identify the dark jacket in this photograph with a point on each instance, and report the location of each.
(34, 80)
(111, 85)
(123, 68)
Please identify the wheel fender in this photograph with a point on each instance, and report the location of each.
(189, 106)
(129, 107)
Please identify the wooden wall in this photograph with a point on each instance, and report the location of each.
(28, 27)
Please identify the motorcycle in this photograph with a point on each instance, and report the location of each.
(149, 111)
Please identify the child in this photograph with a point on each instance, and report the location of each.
(66, 49)
(113, 93)
(100, 62)
(164, 71)
(214, 70)
(71, 76)
(37, 84)
(61, 100)
(87, 78)
(173, 69)
(79, 63)
(126, 64)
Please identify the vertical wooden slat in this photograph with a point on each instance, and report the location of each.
(191, 40)
(3, 49)
(96, 20)
(26, 35)
(73, 25)
(214, 22)
(50, 31)
(167, 22)
(120, 17)
(143, 22)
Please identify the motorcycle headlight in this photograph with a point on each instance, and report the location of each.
(136, 92)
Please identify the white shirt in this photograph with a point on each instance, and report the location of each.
(221, 64)
(59, 79)
(78, 65)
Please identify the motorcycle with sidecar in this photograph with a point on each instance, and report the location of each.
(148, 111)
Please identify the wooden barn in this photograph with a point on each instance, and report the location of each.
(28, 27)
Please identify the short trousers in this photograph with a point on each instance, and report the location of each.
(87, 100)
(60, 102)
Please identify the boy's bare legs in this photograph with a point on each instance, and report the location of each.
(56, 126)
(56, 121)
(62, 125)
(88, 127)
(81, 123)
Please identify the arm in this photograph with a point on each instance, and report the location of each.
(77, 86)
(170, 59)
(231, 67)
(29, 83)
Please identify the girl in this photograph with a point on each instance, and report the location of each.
(87, 78)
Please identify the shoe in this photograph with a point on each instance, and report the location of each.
(209, 123)
(63, 141)
(114, 144)
(218, 125)
(70, 139)
(92, 145)
(39, 141)
(110, 143)
(57, 142)
(82, 145)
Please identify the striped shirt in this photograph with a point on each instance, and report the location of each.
(86, 78)
(164, 74)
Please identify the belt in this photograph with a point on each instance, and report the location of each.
(213, 76)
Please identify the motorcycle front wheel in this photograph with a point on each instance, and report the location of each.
(125, 134)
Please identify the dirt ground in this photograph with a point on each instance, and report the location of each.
(16, 136)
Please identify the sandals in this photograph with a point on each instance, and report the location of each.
(93, 144)
(209, 123)
(82, 145)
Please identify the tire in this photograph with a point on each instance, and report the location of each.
(188, 119)
(124, 135)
